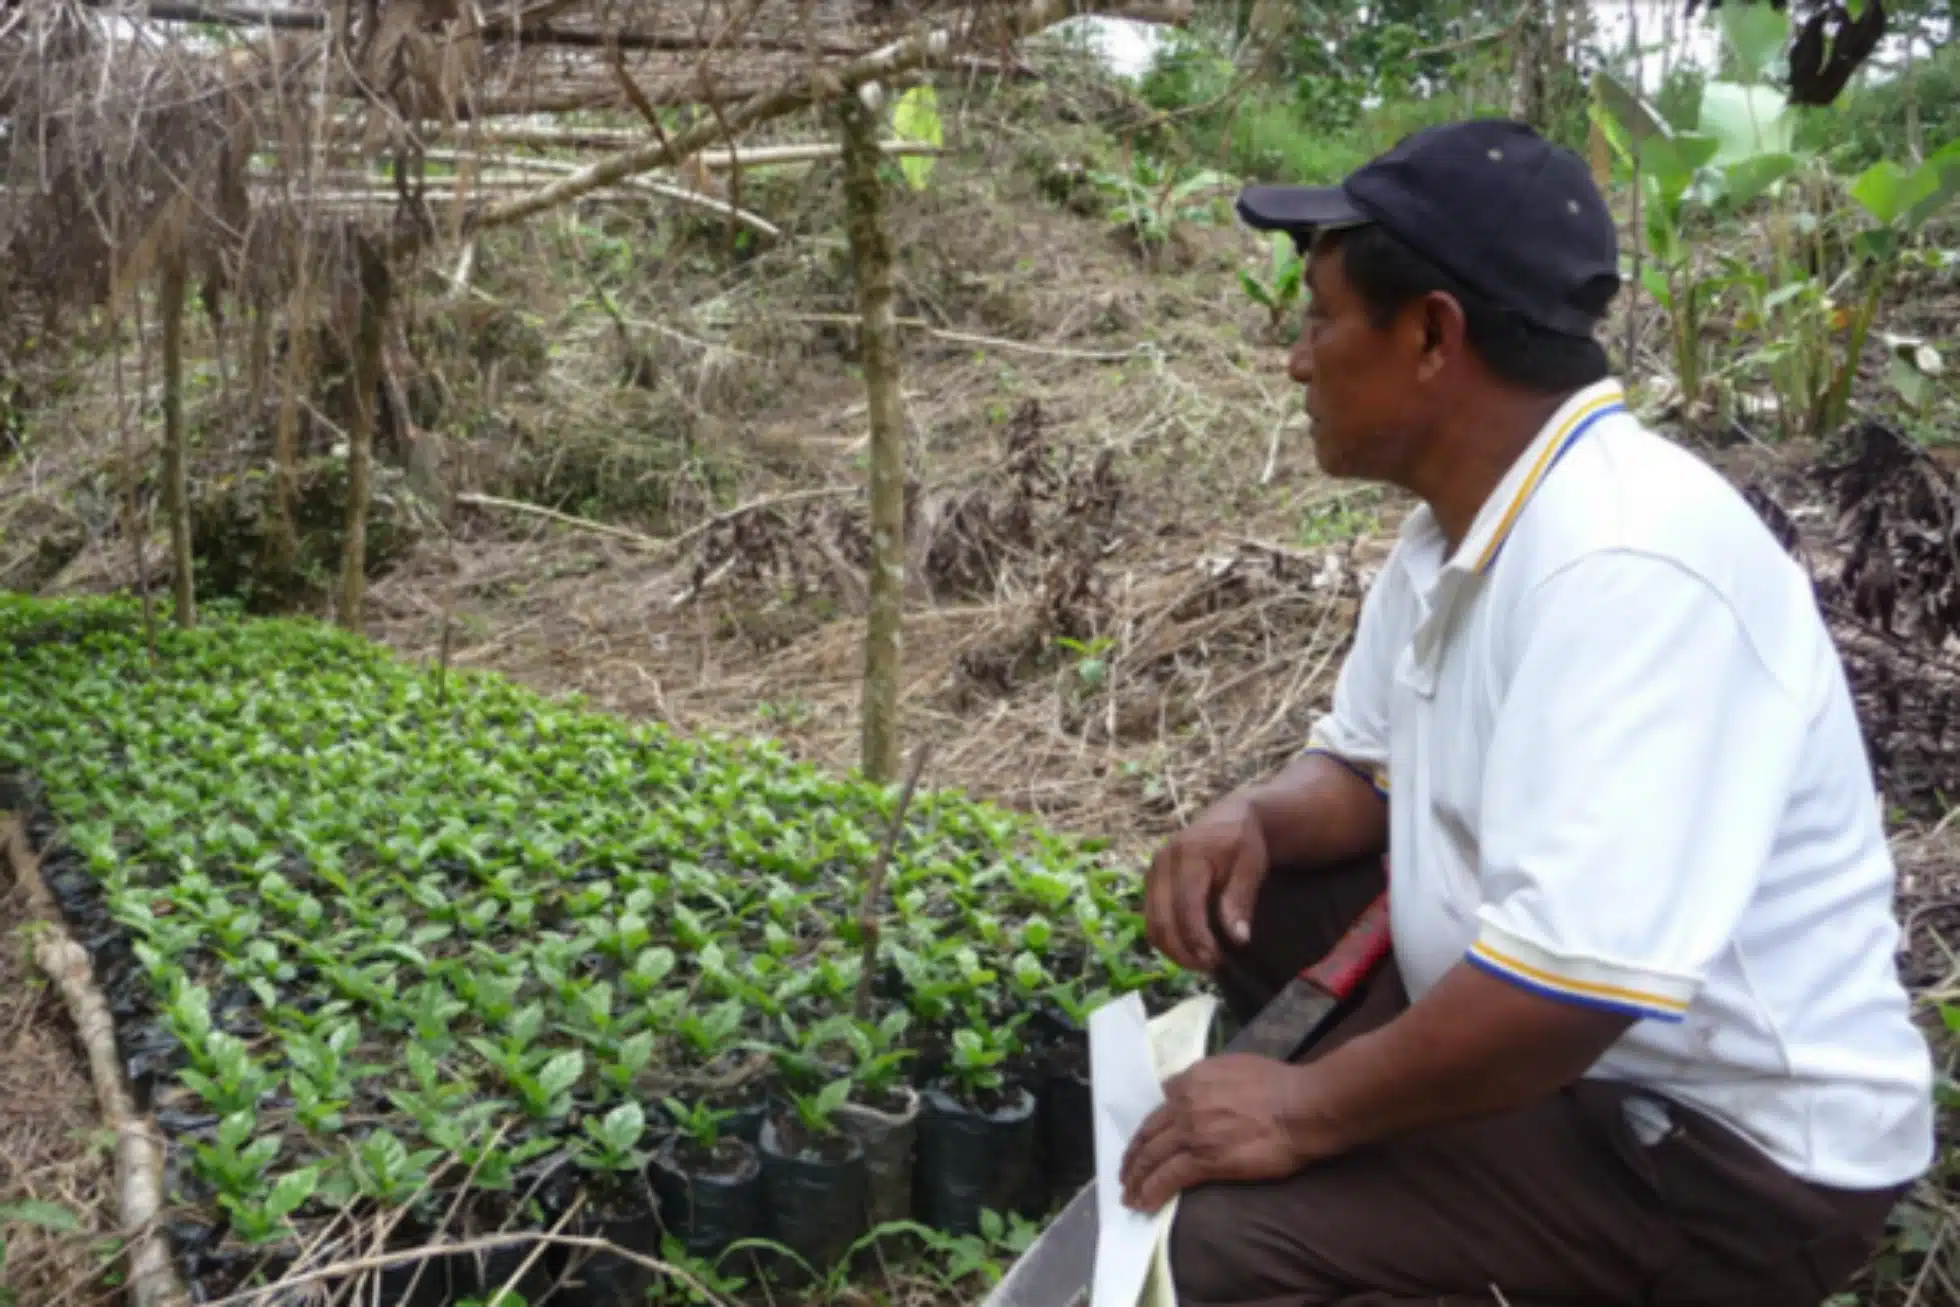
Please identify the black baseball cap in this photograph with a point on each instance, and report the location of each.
(1511, 215)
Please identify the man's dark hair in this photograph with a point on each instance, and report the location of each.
(1388, 275)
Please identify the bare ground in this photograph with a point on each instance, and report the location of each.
(50, 1146)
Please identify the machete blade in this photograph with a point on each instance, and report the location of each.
(1286, 1022)
(1058, 1267)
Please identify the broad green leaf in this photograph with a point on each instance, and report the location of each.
(1914, 386)
(1630, 112)
(1932, 185)
(1746, 121)
(1744, 181)
(1878, 243)
(1880, 190)
(916, 118)
(1672, 161)
(1756, 34)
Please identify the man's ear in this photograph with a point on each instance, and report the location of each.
(1441, 322)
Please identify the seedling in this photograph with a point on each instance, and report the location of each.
(412, 940)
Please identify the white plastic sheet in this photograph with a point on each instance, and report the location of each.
(1129, 1059)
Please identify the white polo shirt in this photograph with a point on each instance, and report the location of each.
(1626, 771)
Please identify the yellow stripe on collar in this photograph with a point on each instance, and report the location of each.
(1611, 398)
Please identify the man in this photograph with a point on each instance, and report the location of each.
(1643, 1038)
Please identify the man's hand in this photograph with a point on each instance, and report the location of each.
(1472, 1046)
(1223, 855)
(1314, 812)
(1226, 1118)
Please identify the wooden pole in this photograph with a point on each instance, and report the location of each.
(376, 290)
(176, 443)
(874, 888)
(871, 258)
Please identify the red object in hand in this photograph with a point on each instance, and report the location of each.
(1351, 960)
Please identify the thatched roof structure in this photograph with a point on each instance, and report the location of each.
(135, 125)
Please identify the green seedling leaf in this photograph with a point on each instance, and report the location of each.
(34, 1211)
(292, 1191)
(562, 1072)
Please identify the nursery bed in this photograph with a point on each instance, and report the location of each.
(397, 957)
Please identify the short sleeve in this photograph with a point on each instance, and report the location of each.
(1355, 729)
(1637, 774)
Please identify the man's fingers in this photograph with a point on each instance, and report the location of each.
(1154, 1127)
(1177, 1173)
(1241, 892)
(1160, 909)
(1194, 919)
(1149, 1154)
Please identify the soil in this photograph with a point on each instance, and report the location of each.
(46, 1132)
(727, 1160)
(891, 1102)
(801, 1143)
(1070, 1057)
(987, 1102)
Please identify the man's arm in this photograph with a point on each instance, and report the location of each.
(1473, 1046)
(1319, 810)
(1326, 805)
(1313, 811)
(1631, 792)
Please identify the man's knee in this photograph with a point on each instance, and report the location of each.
(1205, 1266)
(1222, 1253)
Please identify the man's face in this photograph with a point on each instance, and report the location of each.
(1364, 383)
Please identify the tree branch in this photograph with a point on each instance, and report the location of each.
(903, 56)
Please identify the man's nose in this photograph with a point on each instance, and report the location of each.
(1299, 362)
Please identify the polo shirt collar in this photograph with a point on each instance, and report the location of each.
(1493, 523)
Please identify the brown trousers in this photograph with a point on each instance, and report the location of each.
(1564, 1201)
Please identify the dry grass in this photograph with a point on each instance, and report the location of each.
(1216, 597)
(51, 1146)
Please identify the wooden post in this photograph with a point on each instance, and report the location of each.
(878, 336)
(376, 290)
(176, 451)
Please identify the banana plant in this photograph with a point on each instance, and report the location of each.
(1281, 290)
